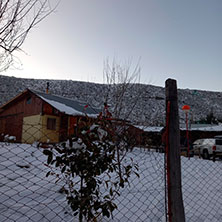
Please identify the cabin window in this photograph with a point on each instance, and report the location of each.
(29, 100)
(51, 123)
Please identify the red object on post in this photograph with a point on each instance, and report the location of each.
(186, 108)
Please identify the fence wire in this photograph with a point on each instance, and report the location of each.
(202, 177)
(28, 195)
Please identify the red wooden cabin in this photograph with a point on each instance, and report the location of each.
(41, 117)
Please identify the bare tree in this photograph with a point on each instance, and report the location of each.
(122, 80)
(17, 18)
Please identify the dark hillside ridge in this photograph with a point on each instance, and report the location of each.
(149, 109)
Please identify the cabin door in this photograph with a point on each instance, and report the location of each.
(63, 128)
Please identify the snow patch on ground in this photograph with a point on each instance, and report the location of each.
(28, 195)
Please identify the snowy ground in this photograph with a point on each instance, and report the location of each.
(27, 195)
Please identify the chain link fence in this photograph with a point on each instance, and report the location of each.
(202, 175)
(28, 195)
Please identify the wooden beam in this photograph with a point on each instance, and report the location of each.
(173, 156)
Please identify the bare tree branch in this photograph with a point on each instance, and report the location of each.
(121, 79)
(17, 18)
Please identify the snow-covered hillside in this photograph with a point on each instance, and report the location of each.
(150, 106)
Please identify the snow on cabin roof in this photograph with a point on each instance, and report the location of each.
(68, 106)
(150, 128)
(194, 127)
(216, 128)
(202, 127)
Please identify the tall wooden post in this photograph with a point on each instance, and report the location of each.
(175, 199)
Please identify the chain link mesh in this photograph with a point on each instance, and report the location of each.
(202, 178)
(28, 195)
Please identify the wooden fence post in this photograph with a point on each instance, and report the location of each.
(175, 199)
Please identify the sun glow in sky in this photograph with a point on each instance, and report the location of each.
(171, 39)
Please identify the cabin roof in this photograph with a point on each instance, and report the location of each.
(68, 106)
(62, 104)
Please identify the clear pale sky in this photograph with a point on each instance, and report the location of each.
(180, 39)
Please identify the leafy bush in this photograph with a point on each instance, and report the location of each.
(93, 166)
